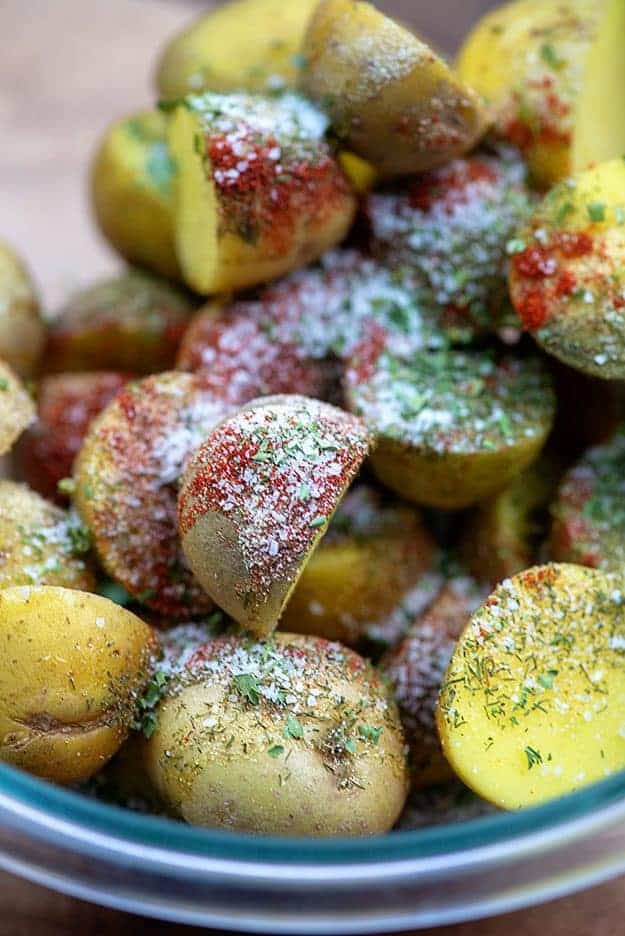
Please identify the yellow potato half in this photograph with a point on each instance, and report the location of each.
(532, 705)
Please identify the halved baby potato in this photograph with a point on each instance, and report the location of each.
(551, 72)
(567, 279)
(451, 427)
(258, 191)
(22, 330)
(17, 410)
(532, 704)
(73, 668)
(258, 496)
(132, 178)
(375, 551)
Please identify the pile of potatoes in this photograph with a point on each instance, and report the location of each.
(364, 367)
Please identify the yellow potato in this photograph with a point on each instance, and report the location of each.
(132, 192)
(567, 280)
(22, 332)
(17, 410)
(552, 73)
(532, 704)
(389, 97)
(74, 666)
(289, 736)
(258, 191)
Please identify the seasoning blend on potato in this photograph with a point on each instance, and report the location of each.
(132, 322)
(258, 191)
(22, 331)
(132, 192)
(287, 736)
(258, 496)
(532, 703)
(551, 72)
(567, 280)
(74, 667)
(17, 410)
(452, 427)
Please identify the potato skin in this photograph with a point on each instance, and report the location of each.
(17, 410)
(74, 667)
(132, 177)
(321, 756)
(389, 97)
(22, 331)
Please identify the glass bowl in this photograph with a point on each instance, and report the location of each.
(406, 880)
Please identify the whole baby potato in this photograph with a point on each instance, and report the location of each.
(73, 668)
(22, 331)
(288, 736)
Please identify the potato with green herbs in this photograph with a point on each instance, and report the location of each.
(17, 410)
(531, 707)
(132, 178)
(389, 97)
(552, 74)
(289, 736)
(74, 667)
(22, 331)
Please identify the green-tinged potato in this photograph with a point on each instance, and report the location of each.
(126, 477)
(567, 279)
(22, 331)
(258, 190)
(589, 510)
(67, 404)
(74, 667)
(415, 669)
(532, 703)
(258, 496)
(132, 192)
(289, 736)
(452, 428)
(502, 535)
(389, 97)
(40, 544)
(245, 45)
(375, 552)
(17, 410)
(132, 322)
(552, 73)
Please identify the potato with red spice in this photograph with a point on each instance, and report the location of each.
(531, 706)
(451, 427)
(258, 496)
(415, 667)
(288, 736)
(126, 482)
(551, 72)
(131, 322)
(132, 179)
(22, 330)
(67, 404)
(567, 280)
(390, 98)
(375, 552)
(17, 410)
(258, 190)
(74, 668)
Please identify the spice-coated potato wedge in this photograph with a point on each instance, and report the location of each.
(132, 179)
(451, 427)
(567, 280)
(132, 322)
(67, 404)
(552, 74)
(22, 331)
(389, 97)
(532, 703)
(17, 410)
(375, 551)
(126, 476)
(415, 669)
(40, 544)
(258, 191)
(245, 45)
(257, 497)
(290, 736)
(74, 667)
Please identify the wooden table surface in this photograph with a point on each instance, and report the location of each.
(68, 67)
